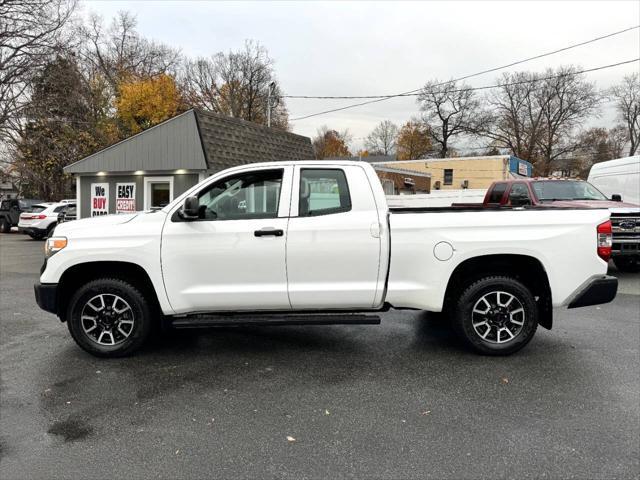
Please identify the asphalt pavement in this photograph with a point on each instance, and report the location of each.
(400, 400)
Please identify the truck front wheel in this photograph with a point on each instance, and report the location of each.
(496, 315)
(109, 317)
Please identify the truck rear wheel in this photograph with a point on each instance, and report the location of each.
(5, 227)
(496, 315)
(109, 317)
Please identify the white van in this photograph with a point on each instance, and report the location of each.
(618, 177)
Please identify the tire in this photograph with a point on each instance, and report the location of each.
(50, 229)
(5, 227)
(513, 313)
(629, 264)
(128, 328)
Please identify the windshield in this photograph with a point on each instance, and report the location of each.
(27, 204)
(37, 208)
(548, 191)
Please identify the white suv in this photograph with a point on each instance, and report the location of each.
(41, 219)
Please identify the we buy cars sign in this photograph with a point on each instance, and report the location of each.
(99, 199)
(125, 197)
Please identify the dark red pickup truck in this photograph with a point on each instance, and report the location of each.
(625, 217)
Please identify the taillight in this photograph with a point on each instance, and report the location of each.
(605, 240)
(39, 217)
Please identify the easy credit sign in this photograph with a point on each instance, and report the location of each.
(99, 199)
(125, 197)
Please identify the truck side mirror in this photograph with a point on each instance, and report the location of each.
(616, 197)
(190, 209)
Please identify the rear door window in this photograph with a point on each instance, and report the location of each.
(497, 192)
(519, 195)
(323, 191)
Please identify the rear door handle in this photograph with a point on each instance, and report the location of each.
(263, 232)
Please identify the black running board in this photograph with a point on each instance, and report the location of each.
(272, 320)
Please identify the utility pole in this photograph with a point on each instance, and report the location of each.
(272, 88)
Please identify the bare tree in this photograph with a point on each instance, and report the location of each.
(536, 116)
(513, 118)
(382, 140)
(566, 100)
(450, 110)
(596, 145)
(31, 31)
(119, 52)
(617, 140)
(236, 84)
(627, 97)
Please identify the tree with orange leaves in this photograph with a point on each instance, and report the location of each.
(146, 102)
(331, 143)
(413, 141)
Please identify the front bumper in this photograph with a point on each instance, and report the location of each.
(47, 296)
(625, 247)
(598, 291)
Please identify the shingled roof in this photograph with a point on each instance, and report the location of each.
(228, 142)
(196, 140)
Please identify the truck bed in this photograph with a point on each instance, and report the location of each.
(479, 207)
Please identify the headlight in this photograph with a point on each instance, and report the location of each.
(53, 245)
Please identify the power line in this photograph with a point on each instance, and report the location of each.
(381, 99)
(487, 87)
(482, 72)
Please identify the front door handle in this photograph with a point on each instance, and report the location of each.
(263, 232)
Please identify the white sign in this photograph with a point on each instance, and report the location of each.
(522, 169)
(125, 197)
(99, 199)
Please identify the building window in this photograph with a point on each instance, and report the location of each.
(388, 186)
(448, 176)
(158, 192)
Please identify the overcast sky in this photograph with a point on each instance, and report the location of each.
(374, 48)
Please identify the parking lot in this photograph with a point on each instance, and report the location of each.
(400, 400)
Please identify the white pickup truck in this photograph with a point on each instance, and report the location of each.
(313, 242)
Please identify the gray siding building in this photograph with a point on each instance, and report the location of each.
(150, 169)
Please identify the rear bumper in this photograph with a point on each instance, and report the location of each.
(32, 230)
(46, 296)
(598, 291)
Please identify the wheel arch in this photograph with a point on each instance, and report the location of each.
(526, 269)
(79, 274)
